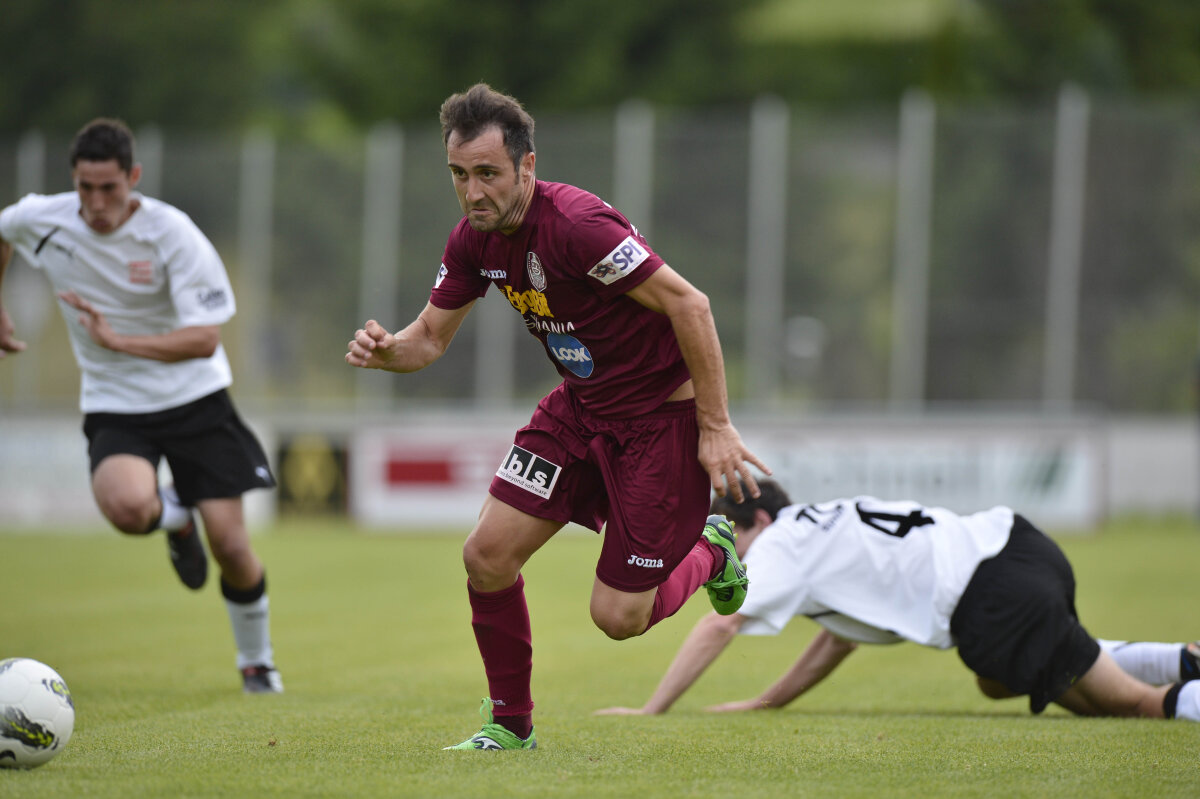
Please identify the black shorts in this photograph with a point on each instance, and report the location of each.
(1016, 620)
(211, 452)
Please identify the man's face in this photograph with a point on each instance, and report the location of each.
(105, 193)
(490, 191)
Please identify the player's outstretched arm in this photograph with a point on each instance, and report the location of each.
(722, 453)
(181, 344)
(706, 641)
(413, 348)
(8, 340)
(824, 654)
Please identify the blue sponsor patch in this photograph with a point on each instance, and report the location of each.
(568, 351)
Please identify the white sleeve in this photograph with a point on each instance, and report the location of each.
(14, 228)
(199, 285)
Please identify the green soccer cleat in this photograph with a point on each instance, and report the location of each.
(726, 591)
(493, 735)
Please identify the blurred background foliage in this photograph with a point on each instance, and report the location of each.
(319, 68)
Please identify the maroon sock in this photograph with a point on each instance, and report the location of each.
(501, 623)
(693, 571)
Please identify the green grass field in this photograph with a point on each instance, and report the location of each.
(373, 639)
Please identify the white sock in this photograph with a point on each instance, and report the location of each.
(1188, 704)
(252, 632)
(1154, 663)
(174, 515)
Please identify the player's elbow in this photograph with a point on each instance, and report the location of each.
(693, 304)
(204, 342)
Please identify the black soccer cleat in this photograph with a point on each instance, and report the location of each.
(1189, 662)
(261, 680)
(187, 554)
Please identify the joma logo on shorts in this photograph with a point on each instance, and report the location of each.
(645, 563)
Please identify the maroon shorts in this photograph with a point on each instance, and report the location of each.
(639, 479)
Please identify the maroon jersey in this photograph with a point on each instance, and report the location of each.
(566, 271)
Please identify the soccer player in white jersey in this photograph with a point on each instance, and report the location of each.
(990, 584)
(144, 294)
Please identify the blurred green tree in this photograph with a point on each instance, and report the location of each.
(189, 63)
(309, 66)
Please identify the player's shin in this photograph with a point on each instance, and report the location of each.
(686, 578)
(500, 620)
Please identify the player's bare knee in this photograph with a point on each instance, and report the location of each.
(619, 631)
(128, 516)
(619, 627)
(488, 570)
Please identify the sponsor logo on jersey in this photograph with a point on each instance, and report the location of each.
(538, 325)
(211, 298)
(528, 301)
(493, 274)
(627, 256)
(531, 472)
(141, 272)
(441, 275)
(645, 563)
(537, 273)
(568, 351)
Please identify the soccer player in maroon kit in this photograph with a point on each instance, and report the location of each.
(633, 438)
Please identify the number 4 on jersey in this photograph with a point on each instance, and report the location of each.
(894, 524)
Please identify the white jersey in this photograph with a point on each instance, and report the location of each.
(155, 273)
(869, 570)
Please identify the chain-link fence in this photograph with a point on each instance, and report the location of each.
(928, 258)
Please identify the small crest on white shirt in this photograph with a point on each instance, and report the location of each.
(141, 272)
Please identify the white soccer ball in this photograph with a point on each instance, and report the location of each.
(37, 715)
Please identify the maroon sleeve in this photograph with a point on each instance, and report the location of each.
(458, 281)
(614, 256)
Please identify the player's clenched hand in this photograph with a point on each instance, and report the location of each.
(371, 346)
(726, 458)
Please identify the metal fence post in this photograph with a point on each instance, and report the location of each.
(1066, 247)
(379, 279)
(28, 300)
(633, 163)
(255, 204)
(910, 293)
(766, 247)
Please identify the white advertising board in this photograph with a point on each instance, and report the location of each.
(1051, 473)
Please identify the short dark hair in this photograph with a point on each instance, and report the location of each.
(104, 140)
(772, 498)
(480, 107)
